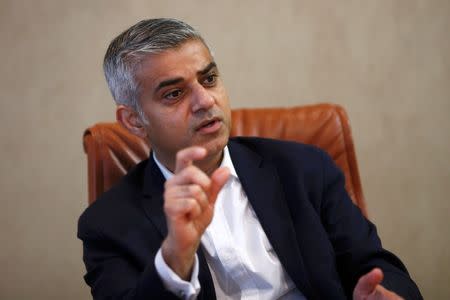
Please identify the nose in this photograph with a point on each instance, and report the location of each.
(202, 99)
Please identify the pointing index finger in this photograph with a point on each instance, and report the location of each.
(186, 156)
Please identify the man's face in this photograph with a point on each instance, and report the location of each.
(184, 101)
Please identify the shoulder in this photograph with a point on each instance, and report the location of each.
(297, 165)
(284, 153)
(117, 202)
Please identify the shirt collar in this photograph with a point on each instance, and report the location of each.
(226, 162)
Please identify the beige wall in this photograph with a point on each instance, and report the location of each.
(387, 62)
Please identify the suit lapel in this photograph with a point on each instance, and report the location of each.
(260, 181)
(152, 200)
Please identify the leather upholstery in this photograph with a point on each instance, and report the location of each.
(112, 150)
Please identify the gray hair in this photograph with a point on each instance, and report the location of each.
(128, 49)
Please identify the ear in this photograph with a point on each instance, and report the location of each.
(130, 119)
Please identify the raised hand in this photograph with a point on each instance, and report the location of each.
(369, 288)
(189, 198)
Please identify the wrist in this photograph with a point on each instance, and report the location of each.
(181, 262)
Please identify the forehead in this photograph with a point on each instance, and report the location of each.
(182, 62)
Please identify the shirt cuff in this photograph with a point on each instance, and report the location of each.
(172, 282)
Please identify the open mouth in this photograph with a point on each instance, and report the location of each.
(209, 126)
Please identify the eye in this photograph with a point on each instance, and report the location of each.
(210, 80)
(172, 95)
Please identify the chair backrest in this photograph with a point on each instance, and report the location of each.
(112, 150)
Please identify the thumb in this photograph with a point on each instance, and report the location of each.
(218, 179)
(366, 284)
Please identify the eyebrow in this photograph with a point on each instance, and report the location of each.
(168, 82)
(176, 80)
(208, 68)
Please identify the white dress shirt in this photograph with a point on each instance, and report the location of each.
(242, 262)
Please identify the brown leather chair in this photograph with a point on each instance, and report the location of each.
(112, 150)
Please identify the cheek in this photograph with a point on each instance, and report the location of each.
(170, 126)
(226, 111)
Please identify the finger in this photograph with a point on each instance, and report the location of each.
(185, 157)
(218, 179)
(187, 191)
(383, 293)
(189, 175)
(182, 208)
(366, 284)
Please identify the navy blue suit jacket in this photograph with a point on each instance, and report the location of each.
(321, 238)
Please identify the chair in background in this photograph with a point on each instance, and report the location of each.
(111, 150)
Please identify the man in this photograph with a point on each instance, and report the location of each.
(207, 217)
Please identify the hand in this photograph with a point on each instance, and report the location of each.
(189, 198)
(368, 287)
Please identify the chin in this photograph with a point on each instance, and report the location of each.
(216, 146)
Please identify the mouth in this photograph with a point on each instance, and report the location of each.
(210, 125)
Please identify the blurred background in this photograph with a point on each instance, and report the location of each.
(387, 62)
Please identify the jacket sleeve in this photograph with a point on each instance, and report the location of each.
(355, 240)
(112, 274)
